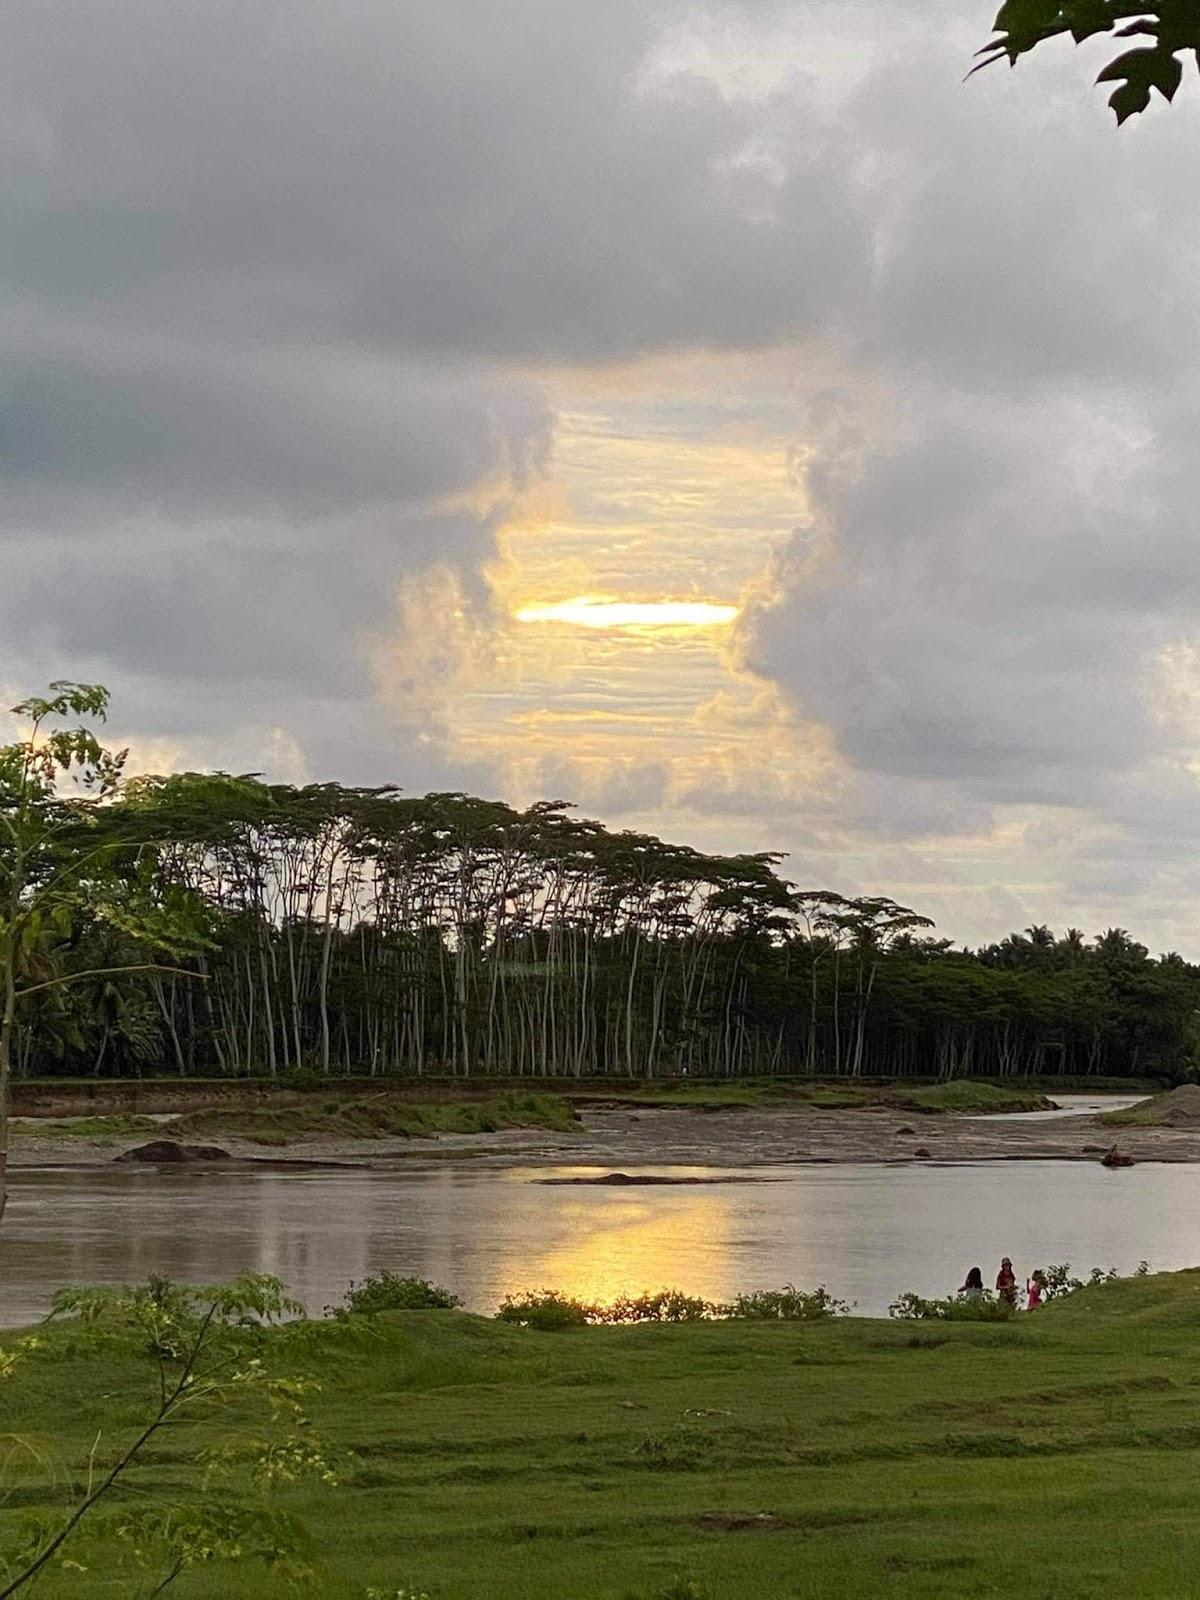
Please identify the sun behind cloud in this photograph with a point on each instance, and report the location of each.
(596, 611)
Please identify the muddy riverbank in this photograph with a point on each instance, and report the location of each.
(610, 1135)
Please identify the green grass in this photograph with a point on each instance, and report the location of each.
(117, 1126)
(1053, 1456)
(962, 1096)
(1176, 1108)
(1131, 1117)
(373, 1117)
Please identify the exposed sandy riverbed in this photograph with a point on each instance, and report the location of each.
(613, 1136)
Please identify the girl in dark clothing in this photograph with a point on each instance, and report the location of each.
(1006, 1282)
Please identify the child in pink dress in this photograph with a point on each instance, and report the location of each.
(1035, 1288)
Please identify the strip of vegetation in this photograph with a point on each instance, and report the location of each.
(962, 1096)
(395, 1114)
(376, 1117)
(548, 1309)
(116, 1127)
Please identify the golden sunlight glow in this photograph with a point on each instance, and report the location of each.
(608, 1244)
(618, 583)
(592, 611)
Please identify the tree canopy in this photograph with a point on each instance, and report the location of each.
(360, 931)
(207, 924)
(72, 875)
(1166, 32)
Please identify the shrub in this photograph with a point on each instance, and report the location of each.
(1059, 1281)
(550, 1309)
(546, 1309)
(669, 1305)
(986, 1308)
(788, 1304)
(176, 1313)
(384, 1291)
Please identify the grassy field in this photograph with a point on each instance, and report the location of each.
(1055, 1456)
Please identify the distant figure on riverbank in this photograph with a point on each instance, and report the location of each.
(1035, 1289)
(1006, 1282)
(972, 1289)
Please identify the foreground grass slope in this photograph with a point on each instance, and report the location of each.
(1056, 1455)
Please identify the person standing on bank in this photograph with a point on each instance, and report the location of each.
(1006, 1282)
(972, 1289)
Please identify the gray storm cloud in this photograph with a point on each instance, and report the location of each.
(281, 287)
(276, 283)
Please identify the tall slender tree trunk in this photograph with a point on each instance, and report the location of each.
(8, 1020)
(7, 1025)
(172, 1032)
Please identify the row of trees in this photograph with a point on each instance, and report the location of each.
(217, 925)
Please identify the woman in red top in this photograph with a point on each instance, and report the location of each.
(1006, 1282)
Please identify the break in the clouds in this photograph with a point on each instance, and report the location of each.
(335, 337)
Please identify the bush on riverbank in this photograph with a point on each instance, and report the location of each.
(384, 1291)
(546, 1309)
(1057, 1283)
(788, 1304)
(551, 1310)
(987, 1307)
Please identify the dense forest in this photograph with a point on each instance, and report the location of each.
(360, 931)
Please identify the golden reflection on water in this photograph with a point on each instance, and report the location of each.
(867, 1232)
(611, 1244)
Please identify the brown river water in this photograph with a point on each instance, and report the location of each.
(866, 1231)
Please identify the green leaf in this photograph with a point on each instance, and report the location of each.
(1174, 25)
(1022, 16)
(1142, 71)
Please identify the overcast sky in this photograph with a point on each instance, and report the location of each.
(336, 336)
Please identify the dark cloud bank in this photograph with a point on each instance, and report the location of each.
(278, 283)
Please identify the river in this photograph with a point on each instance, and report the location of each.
(867, 1231)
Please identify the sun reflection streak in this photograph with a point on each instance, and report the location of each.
(610, 1244)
